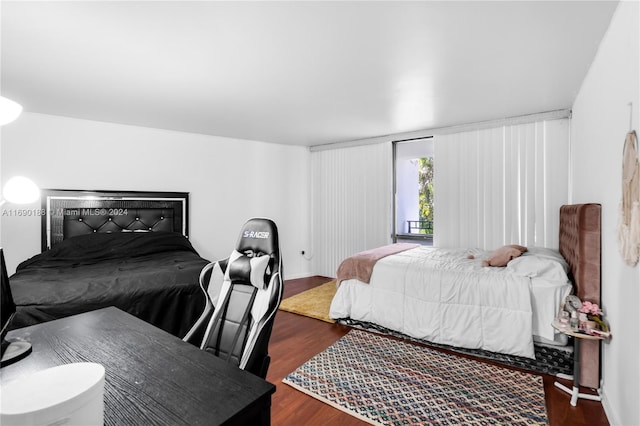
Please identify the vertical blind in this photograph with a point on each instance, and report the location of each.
(351, 203)
(501, 185)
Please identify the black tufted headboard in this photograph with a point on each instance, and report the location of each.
(67, 213)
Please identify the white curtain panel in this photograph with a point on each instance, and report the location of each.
(351, 203)
(501, 185)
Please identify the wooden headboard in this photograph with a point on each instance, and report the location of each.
(68, 213)
(580, 246)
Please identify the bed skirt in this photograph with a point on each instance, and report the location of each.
(548, 359)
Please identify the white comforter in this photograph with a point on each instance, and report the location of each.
(442, 296)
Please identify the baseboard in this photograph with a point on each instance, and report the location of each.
(296, 276)
(608, 409)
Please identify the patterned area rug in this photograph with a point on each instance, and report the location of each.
(312, 303)
(388, 382)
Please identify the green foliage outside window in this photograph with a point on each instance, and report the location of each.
(425, 188)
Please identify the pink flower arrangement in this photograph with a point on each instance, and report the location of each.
(590, 308)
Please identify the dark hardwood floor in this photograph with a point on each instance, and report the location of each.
(296, 338)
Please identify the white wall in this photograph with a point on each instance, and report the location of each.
(600, 122)
(229, 180)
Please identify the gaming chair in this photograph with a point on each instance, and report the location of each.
(243, 293)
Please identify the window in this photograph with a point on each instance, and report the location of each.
(413, 189)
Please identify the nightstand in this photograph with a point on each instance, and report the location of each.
(577, 337)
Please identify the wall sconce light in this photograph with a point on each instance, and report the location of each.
(9, 110)
(20, 190)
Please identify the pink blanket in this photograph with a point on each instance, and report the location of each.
(360, 265)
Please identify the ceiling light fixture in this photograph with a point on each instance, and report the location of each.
(9, 110)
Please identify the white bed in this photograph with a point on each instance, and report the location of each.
(442, 296)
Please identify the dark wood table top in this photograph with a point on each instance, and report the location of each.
(152, 377)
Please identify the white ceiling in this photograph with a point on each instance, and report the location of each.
(302, 73)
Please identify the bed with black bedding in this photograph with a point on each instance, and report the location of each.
(152, 275)
(128, 250)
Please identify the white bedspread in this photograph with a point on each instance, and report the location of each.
(441, 296)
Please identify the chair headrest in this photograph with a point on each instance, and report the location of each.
(243, 269)
(257, 254)
(259, 236)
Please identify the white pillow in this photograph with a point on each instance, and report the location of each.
(548, 253)
(538, 266)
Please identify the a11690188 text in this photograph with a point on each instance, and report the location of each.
(65, 212)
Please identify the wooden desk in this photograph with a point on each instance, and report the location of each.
(152, 377)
